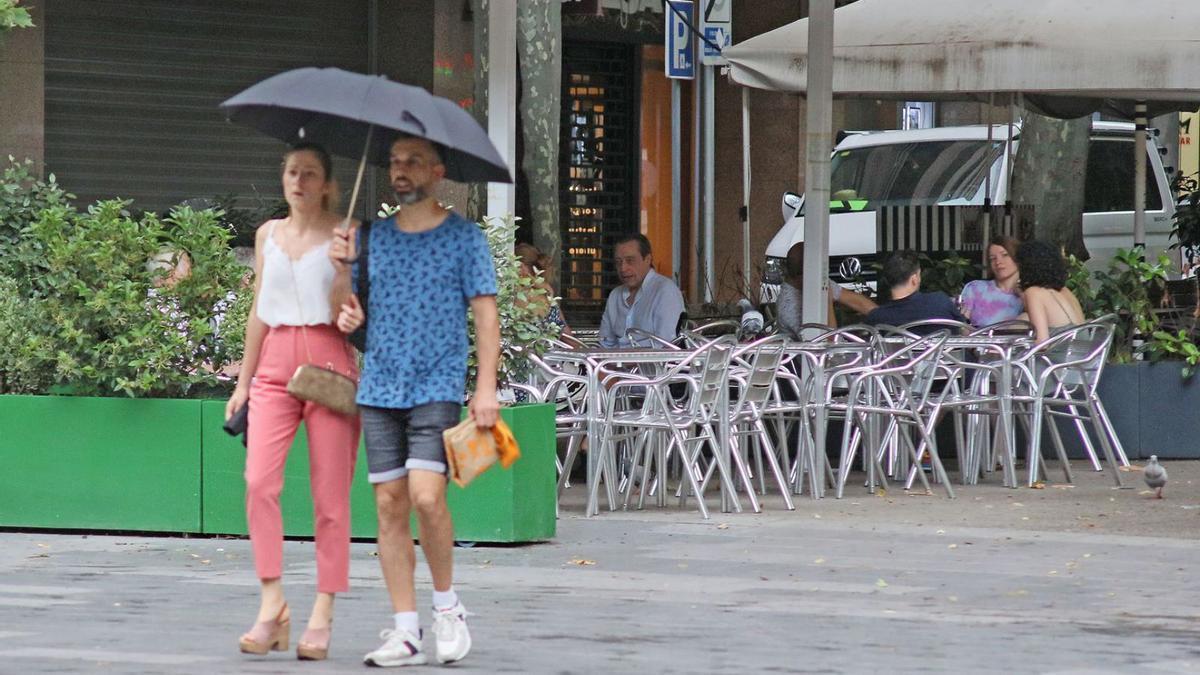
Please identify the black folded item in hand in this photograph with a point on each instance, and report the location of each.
(237, 424)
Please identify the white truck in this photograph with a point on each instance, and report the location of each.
(947, 166)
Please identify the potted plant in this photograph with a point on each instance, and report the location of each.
(1149, 377)
(92, 305)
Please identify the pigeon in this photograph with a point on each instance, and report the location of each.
(1155, 475)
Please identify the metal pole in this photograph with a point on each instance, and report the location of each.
(676, 182)
(698, 274)
(818, 146)
(745, 214)
(1139, 174)
(987, 184)
(710, 274)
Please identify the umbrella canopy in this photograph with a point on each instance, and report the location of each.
(1068, 57)
(340, 109)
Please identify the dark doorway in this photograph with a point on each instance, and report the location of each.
(599, 165)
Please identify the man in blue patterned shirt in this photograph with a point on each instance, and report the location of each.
(426, 265)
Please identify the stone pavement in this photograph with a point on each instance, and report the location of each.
(1063, 580)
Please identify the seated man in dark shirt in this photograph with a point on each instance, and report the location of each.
(902, 273)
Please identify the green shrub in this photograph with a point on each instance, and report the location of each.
(23, 197)
(94, 318)
(522, 328)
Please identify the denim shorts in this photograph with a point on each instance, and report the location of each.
(401, 439)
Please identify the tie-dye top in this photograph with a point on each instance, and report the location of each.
(986, 303)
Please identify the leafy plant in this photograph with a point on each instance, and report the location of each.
(97, 319)
(948, 273)
(1175, 346)
(1186, 230)
(12, 16)
(23, 197)
(520, 301)
(1079, 281)
(1125, 289)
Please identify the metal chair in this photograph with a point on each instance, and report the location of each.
(1059, 377)
(898, 390)
(755, 367)
(660, 427)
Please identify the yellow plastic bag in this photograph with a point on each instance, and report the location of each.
(470, 451)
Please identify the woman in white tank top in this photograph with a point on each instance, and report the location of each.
(290, 324)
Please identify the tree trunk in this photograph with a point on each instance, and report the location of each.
(539, 41)
(1048, 173)
(477, 192)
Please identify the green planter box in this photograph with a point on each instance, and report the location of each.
(100, 463)
(502, 505)
(166, 466)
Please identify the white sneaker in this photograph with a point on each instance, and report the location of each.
(450, 629)
(400, 648)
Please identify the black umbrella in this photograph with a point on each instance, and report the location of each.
(356, 115)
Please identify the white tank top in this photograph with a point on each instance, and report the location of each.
(280, 301)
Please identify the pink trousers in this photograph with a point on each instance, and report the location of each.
(274, 418)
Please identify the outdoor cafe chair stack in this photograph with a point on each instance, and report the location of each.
(754, 369)
(896, 391)
(643, 414)
(1058, 379)
(691, 338)
(813, 364)
(563, 385)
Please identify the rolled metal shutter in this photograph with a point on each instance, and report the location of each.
(132, 88)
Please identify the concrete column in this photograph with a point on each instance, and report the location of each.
(818, 145)
(502, 99)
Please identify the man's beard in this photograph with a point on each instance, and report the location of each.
(411, 197)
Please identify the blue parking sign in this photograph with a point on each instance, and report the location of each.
(681, 45)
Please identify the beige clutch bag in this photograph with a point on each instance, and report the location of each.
(324, 386)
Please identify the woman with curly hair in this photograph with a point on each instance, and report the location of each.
(1049, 304)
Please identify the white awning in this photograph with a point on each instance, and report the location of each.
(1068, 57)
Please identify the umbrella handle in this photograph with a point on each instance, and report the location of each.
(362, 165)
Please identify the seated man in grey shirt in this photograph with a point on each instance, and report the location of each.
(645, 299)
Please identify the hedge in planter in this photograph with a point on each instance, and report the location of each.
(82, 305)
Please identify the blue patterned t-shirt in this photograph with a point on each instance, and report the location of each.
(421, 287)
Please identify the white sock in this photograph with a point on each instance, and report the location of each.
(408, 621)
(444, 599)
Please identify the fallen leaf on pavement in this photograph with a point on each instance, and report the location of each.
(1039, 485)
(952, 546)
(1131, 467)
(581, 562)
(723, 526)
(818, 561)
(880, 583)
